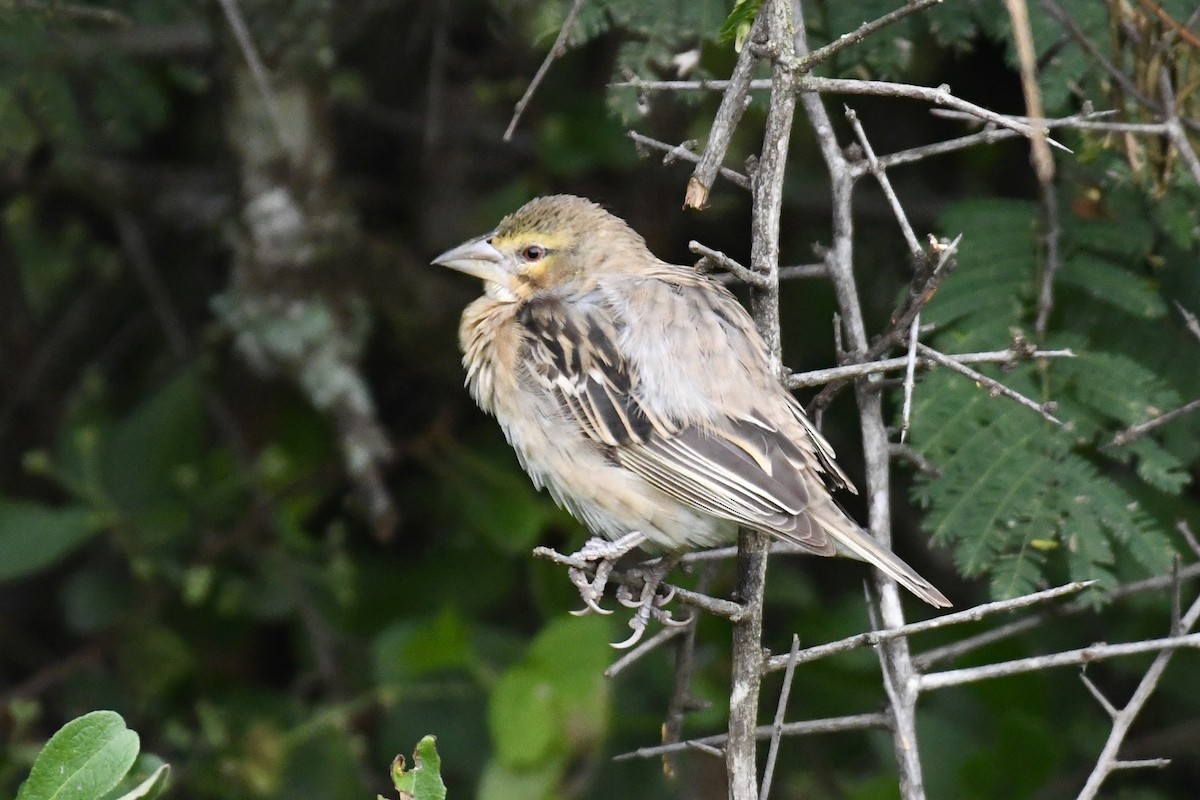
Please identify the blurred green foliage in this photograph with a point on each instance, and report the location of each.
(180, 540)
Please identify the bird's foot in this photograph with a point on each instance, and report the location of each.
(650, 601)
(605, 554)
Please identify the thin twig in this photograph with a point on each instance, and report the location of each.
(780, 711)
(1189, 319)
(940, 95)
(1142, 428)
(975, 614)
(733, 105)
(973, 643)
(675, 151)
(994, 386)
(741, 763)
(716, 258)
(556, 51)
(910, 376)
(1096, 693)
(853, 722)
(805, 63)
(237, 23)
(1108, 761)
(818, 377)
(899, 665)
(1084, 655)
(1175, 131)
(910, 238)
(681, 697)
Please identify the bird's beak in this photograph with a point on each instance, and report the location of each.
(476, 257)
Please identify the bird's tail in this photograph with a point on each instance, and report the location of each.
(853, 541)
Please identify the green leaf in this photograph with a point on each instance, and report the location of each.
(84, 760)
(424, 780)
(1114, 285)
(555, 702)
(34, 536)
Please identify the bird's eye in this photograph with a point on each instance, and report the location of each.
(533, 252)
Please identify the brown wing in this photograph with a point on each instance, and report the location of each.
(740, 468)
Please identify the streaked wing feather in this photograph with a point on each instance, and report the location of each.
(741, 469)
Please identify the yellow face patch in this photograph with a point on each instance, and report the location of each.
(536, 256)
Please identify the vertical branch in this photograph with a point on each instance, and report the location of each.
(767, 190)
(897, 661)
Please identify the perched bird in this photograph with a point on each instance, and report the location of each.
(640, 394)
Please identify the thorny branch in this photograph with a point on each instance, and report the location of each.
(556, 51)
(902, 673)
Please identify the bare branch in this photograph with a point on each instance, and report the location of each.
(805, 63)
(556, 51)
(678, 151)
(910, 238)
(780, 711)
(964, 646)
(850, 371)
(1142, 428)
(1084, 655)
(854, 722)
(975, 614)
(993, 386)
(1189, 319)
(718, 259)
(1122, 720)
(733, 105)
(237, 24)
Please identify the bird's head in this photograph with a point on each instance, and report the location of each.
(546, 243)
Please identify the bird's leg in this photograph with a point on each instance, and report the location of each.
(605, 554)
(649, 602)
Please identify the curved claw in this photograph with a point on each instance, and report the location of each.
(634, 637)
(668, 595)
(671, 622)
(590, 607)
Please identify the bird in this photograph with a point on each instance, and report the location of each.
(640, 394)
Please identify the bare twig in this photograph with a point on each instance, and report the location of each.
(806, 62)
(1084, 655)
(675, 151)
(874, 432)
(854, 722)
(1123, 719)
(1043, 162)
(1189, 319)
(1142, 428)
(975, 614)
(818, 377)
(1174, 129)
(910, 379)
(681, 697)
(718, 259)
(994, 386)
(556, 51)
(733, 105)
(780, 711)
(262, 81)
(767, 206)
(1096, 693)
(973, 643)
(1186, 532)
(940, 95)
(910, 238)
